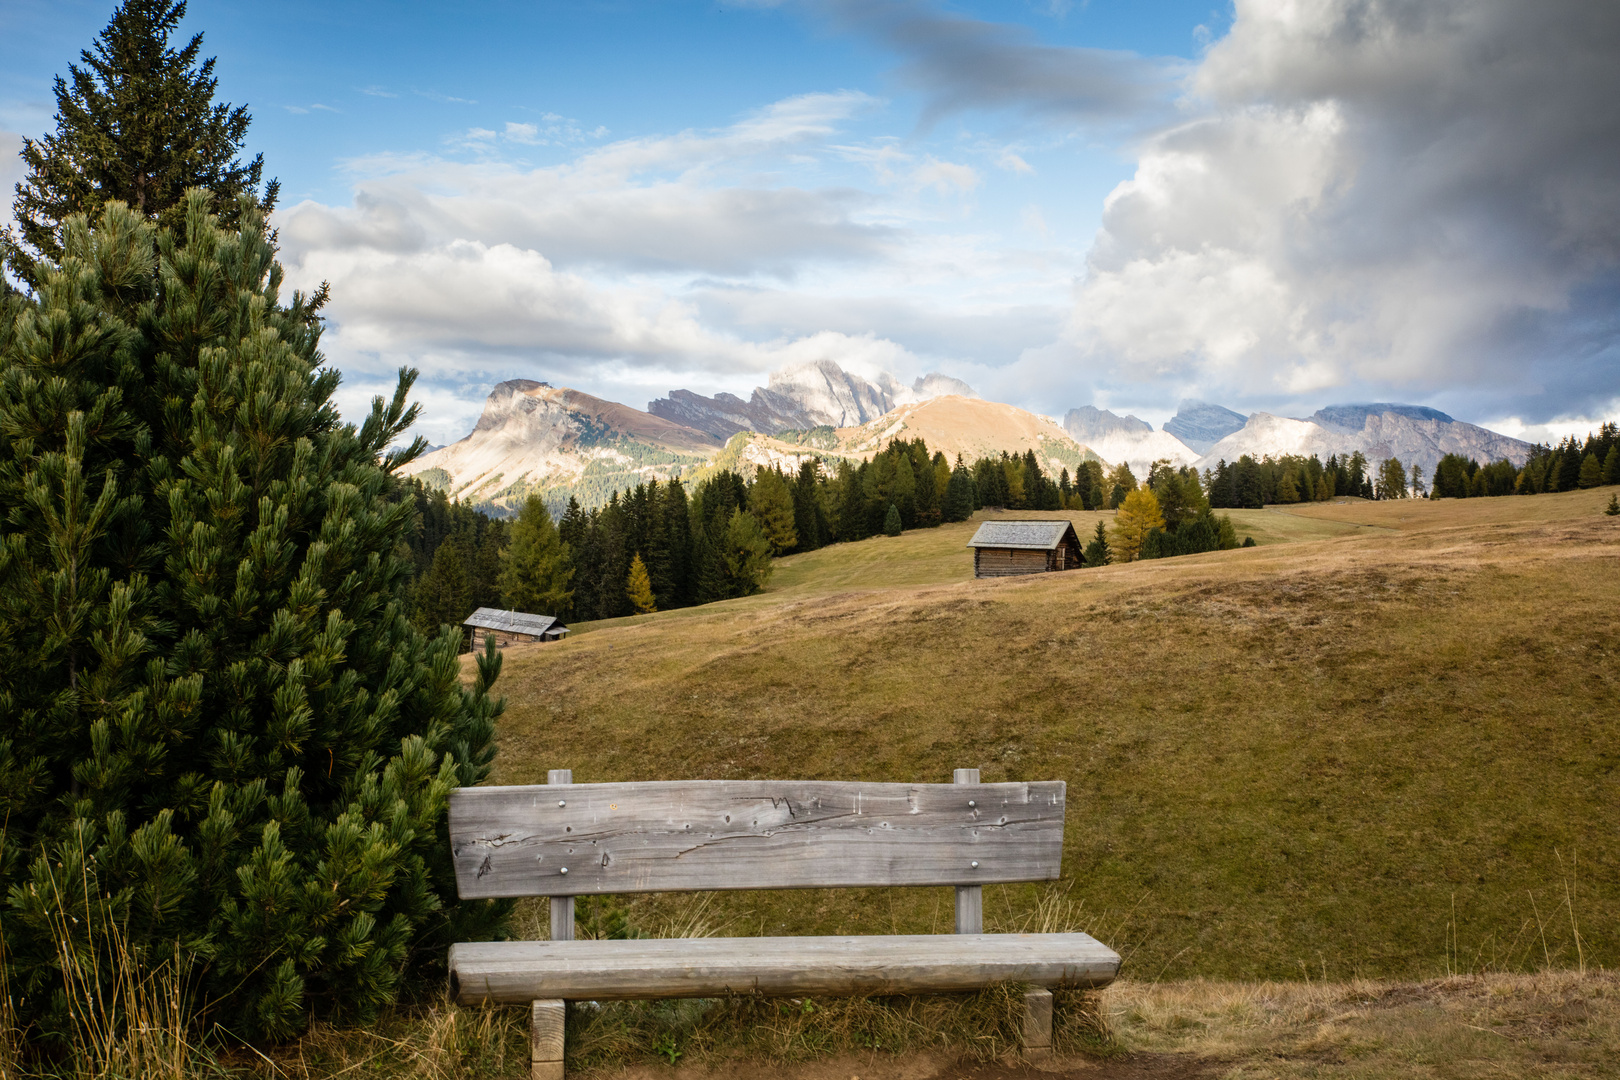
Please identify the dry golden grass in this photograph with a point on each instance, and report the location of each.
(1345, 802)
(1550, 1024)
(1377, 754)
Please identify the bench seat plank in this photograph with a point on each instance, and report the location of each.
(522, 971)
(694, 835)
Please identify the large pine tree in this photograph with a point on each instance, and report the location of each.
(536, 568)
(137, 123)
(218, 728)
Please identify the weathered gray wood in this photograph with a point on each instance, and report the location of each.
(1004, 562)
(546, 1023)
(750, 834)
(1037, 1021)
(521, 971)
(969, 898)
(562, 907)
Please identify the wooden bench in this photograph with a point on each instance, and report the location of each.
(563, 840)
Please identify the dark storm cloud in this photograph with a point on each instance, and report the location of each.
(964, 64)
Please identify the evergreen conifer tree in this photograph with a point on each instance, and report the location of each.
(677, 518)
(536, 567)
(747, 555)
(571, 529)
(217, 726)
(638, 587)
(1591, 472)
(1613, 509)
(1288, 487)
(942, 485)
(892, 525)
(903, 491)
(441, 596)
(1611, 466)
(1570, 460)
(771, 501)
(959, 495)
(137, 124)
(1097, 552)
(1391, 479)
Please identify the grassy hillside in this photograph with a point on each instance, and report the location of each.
(1384, 749)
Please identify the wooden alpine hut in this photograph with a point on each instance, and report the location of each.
(1008, 548)
(508, 627)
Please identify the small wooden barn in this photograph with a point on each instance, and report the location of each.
(1008, 548)
(507, 627)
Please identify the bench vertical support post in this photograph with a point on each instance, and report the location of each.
(1037, 1022)
(546, 1039)
(969, 898)
(562, 907)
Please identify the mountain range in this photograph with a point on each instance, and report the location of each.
(537, 438)
(802, 396)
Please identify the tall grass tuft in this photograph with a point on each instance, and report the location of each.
(129, 1018)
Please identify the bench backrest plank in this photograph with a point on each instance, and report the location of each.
(691, 835)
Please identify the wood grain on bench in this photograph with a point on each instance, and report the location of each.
(521, 971)
(669, 836)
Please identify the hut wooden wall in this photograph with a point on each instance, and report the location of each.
(503, 638)
(1009, 562)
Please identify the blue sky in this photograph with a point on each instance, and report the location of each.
(1269, 205)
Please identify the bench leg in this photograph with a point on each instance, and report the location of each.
(546, 1039)
(1038, 1022)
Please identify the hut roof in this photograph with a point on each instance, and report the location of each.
(513, 622)
(1030, 535)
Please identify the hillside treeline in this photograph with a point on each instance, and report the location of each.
(1573, 463)
(661, 545)
(1569, 465)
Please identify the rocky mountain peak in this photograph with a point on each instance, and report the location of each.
(1354, 417)
(1417, 435)
(815, 393)
(1125, 438)
(1201, 425)
(935, 385)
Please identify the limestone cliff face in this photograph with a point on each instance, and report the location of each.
(1201, 425)
(1416, 435)
(1125, 438)
(536, 437)
(802, 396)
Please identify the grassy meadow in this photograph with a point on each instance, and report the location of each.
(1344, 801)
(1381, 745)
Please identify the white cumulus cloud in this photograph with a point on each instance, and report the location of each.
(1374, 197)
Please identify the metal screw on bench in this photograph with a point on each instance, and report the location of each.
(562, 907)
(969, 898)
